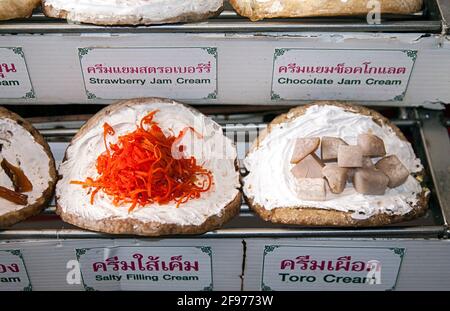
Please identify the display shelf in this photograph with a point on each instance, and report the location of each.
(422, 126)
(429, 20)
(242, 250)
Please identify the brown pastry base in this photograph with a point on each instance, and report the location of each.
(309, 216)
(132, 20)
(10, 9)
(13, 217)
(134, 226)
(310, 8)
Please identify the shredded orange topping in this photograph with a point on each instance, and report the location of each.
(140, 169)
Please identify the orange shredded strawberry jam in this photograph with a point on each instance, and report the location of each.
(140, 169)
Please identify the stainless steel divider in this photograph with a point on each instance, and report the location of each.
(436, 138)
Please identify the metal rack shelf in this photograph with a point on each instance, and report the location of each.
(228, 21)
(427, 134)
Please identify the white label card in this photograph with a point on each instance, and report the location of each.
(14, 78)
(322, 74)
(147, 268)
(330, 268)
(178, 73)
(13, 273)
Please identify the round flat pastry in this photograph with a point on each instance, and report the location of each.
(132, 12)
(151, 167)
(27, 172)
(260, 9)
(10, 9)
(334, 164)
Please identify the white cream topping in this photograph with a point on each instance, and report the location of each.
(20, 149)
(271, 184)
(214, 151)
(154, 10)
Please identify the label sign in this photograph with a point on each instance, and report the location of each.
(330, 268)
(13, 274)
(372, 75)
(179, 73)
(14, 78)
(146, 268)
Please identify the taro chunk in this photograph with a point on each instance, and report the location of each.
(371, 145)
(311, 189)
(309, 167)
(370, 181)
(304, 147)
(329, 148)
(350, 156)
(336, 177)
(394, 169)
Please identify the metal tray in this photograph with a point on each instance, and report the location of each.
(422, 127)
(429, 20)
